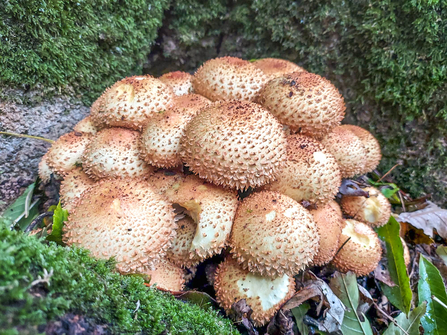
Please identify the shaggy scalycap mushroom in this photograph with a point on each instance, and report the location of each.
(311, 173)
(273, 235)
(305, 102)
(374, 211)
(274, 67)
(73, 185)
(45, 171)
(114, 152)
(228, 78)
(237, 144)
(124, 218)
(264, 295)
(86, 126)
(160, 139)
(362, 253)
(166, 276)
(181, 82)
(130, 102)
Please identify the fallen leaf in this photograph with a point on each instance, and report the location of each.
(350, 188)
(299, 313)
(382, 274)
(410, 325)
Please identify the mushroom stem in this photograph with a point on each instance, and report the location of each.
(28, 136)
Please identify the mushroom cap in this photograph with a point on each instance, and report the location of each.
(305, 102)
(407, 258)
(86, 126)
(124, 218)
(130, 102)
(372, 146)
(237, 144)
(329, 224)
(334, 204)
(114, 152)
(347, 149)
(362, 253)
(73, 185)
(311, 173)
(45, 171)
(273, 235)
(264, 295)
(181, 82)
(275, 67)
(66, 152)
(167, 276)
(228, 78)
(160, 139)
(374, 211)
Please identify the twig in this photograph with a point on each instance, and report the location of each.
(401, 201)
(27, 136)
(45, 279)
(14, 223)
(390, 318)
(344, 243)
(439, 301)
(36, 221)
(386, 174)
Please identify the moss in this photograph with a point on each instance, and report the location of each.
(90, 287)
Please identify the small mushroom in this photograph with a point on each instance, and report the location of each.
(181, 82)
(166, 276)
(72, 187)
(45, 171)
(86, 126)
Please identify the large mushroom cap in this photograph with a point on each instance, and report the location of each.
(114, 152)
(130, 102)
(305, 102)
(228, 78)
(273, 234)
(275, 67)
(73, 185)
(374, 211)
(166, 276)
(361, 253)
(181, 82)
(237, 144)
(311, 173)
(160, 139)
(124, 218)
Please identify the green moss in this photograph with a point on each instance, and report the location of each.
(83, 44)
(87, 286)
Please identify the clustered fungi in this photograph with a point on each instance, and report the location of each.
(269, 127)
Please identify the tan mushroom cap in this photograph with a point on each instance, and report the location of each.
(228, 78)
(124, 218)
(362, 253)
(114, 152)
(305, 102)
(407, 258)
(374, 211)
(334, 204)
(311, 173)
(45, 171)
(273, 235)
(66, 152)
(347, 149)
(237, 144)
(372, 146)
(181, 82)
(130, 102)
(73, 185)
(86, 126)
(160, 139)
(264, 295)
(329, 224)
(167, 276)
(275, 67)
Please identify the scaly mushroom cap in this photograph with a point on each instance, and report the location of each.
(374, 211)
(273, 234)
(181, 82)
(275, 67)
(305, 102)
(167, 276)
(407, 258)
(311, 173)
(124, 218)
(237, 144)
(45, 171)
(228, 78)
(160, 139)
(362, 253)
(86, 126)
(264, 295)
(73, 185)
(347, 149)
(372, 146)
(130, 102)
(66, 152)
(334, 204)
(210, 206)
(114, 152)
(329, 224)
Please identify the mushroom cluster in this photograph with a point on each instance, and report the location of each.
(152, 176)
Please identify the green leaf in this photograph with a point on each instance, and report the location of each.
(345, 287)
(401, 294)
(299, 313)
(410, 324)
(442, 253)
(60, 215)
(431, 285)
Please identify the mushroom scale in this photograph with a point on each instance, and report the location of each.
(73, 185)
(273, 235)
(275, 67)
(181, 82)
(124, 218)
(237, 144)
